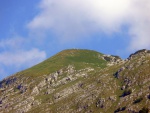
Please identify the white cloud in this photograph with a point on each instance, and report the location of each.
(14, 53)
(15, 57)
(140, 24)
(22, 58)
(12, 43)
(72, 19)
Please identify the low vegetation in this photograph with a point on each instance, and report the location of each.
(80, 81)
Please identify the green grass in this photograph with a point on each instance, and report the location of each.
(78, 58)
(100, 83)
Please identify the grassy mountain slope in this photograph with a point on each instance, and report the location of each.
(80, 81)
(78, 58)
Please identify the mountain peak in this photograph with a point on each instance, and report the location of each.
(75, 52)
(78, 80)
(79, 58)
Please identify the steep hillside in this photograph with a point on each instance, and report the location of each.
(78, 81)
(78, 58)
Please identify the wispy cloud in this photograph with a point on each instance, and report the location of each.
(140, 24)
(17, 57)
(21, 58)
(73, 19)
(12, 43)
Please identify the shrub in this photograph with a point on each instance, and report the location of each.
(120, 109)
(148, 96)
(126, 92)
(144, 110)
(138, 100)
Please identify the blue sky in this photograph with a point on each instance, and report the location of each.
(31, 31)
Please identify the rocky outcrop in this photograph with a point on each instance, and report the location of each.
(112, 60)
(35, 91)
(117, 86)
(141, 53)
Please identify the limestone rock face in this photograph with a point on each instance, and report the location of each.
(35, 91)
(80, 81)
